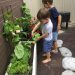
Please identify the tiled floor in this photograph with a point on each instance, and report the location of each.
(55, 66)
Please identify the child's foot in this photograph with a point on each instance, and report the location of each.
(46, 61)
(55, 51)
(45, 55)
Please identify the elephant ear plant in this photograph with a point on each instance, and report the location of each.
(20, 58)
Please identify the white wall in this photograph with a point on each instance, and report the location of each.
(61, 5)
(66, 5)
(58, 4)
(34, 6)
(69, 5)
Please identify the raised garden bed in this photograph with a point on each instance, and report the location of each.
(17, 33)
(32, 63)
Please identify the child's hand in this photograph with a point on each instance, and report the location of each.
(32, 34)
(33, 42)
(36, 36)
(37, 39)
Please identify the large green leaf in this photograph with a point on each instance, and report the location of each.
(19, 51)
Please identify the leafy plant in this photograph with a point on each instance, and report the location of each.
(14, 32)
(7, 16)
(10, 32)
(19, 51)
(25, 20)
(36, 36)
(20, 59)
(26, 12)
(18, 67)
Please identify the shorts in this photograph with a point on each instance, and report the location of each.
(47, 46)
(55, 36)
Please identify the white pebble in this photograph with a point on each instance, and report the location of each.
(68, 63)
(65, 52)
(68, 72)
(59, 42)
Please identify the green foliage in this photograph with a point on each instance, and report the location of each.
(10, 27)
(19, 51)
(12, 31)
(18, 67)
(25, 20)
(20, 59)
(7, 16)
(26, 12)
(36, 36)
(16, 38)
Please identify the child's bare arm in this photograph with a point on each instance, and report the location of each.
(59, 22)
(35, 28)
(43, 36)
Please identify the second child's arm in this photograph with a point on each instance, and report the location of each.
(59, 22)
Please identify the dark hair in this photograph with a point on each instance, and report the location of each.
(49, 1)
(43, 13)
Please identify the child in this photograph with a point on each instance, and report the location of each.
(46, 26)
(56, 20)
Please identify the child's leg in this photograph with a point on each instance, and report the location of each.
(44, 54)
(47, 49)
(55, 46)
(48, 59)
